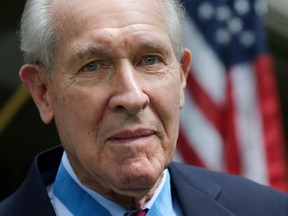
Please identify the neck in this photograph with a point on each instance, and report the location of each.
(127, 199)
(138, 200)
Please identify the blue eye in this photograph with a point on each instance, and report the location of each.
(92, 66)
(150, 60)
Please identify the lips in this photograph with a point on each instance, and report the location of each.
(127, 135)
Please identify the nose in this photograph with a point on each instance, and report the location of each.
(128, 93)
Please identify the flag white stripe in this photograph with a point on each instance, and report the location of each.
(248, 124)
(178, 156)
(205, 139)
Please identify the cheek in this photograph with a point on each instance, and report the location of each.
(166, 100)
(76, 115)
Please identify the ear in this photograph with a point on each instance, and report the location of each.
(185, 68)
(36, 79)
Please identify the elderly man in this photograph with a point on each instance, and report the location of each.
(111, 74)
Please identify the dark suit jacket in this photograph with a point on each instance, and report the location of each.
(201, 192)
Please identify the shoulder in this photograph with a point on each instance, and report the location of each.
(221, 179)
(232, 191)
(32, 198)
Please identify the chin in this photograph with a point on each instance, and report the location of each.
(141, 177)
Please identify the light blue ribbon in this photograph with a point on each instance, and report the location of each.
(76, 200)
(80, 203)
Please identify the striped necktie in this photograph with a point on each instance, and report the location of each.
(140, 213)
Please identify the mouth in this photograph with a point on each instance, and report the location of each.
(128, 136)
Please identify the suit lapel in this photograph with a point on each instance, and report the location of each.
(42, 173)
(196, 194)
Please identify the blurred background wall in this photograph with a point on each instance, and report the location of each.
(22, 134)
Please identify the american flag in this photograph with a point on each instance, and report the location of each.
(231, 120)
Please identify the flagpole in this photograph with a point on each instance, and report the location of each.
(12, 106)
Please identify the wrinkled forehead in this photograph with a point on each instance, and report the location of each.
(107, 13)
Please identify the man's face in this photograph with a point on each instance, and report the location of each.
(116, 92)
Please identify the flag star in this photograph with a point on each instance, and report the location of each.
(247, 38)
(235, 25)
(261, 7)
(222, 36)
(206, 11)
(242, 7)
(223, 13)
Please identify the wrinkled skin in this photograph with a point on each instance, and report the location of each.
(115, 94)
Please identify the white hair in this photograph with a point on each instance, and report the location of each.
(175, 15)
(39, 41)
(38, 38)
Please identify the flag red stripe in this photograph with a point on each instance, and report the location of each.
(211, 110)
(270, 110)
(187, 151)
(231, 150)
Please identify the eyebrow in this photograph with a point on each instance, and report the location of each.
(154, 45)
(89, 50)
(94, 49)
